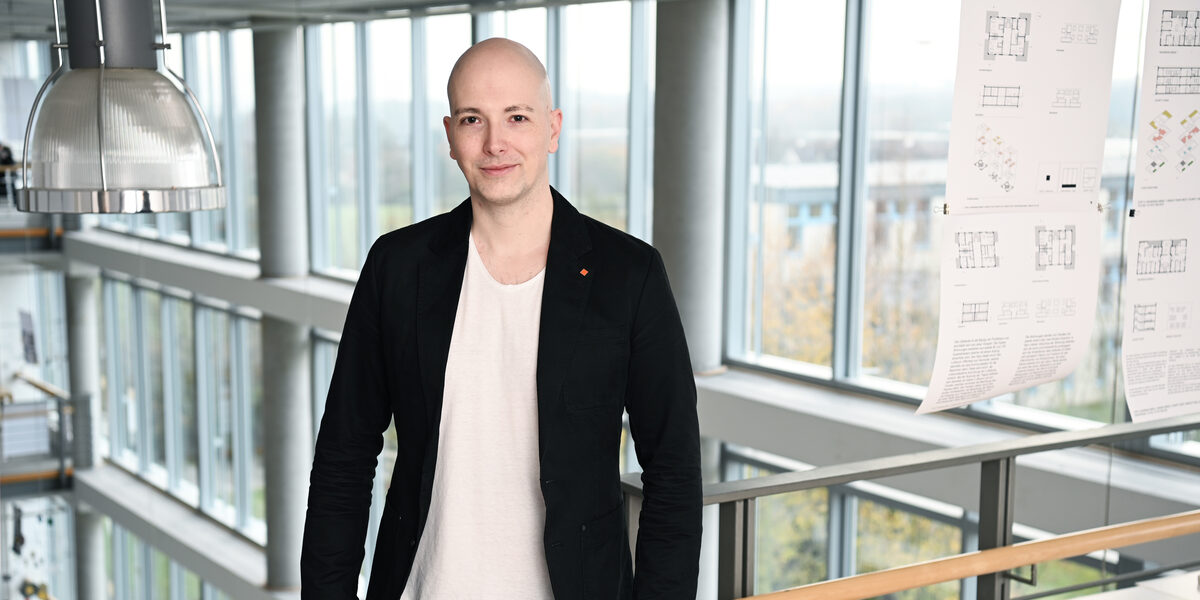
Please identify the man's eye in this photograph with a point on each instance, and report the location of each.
(470, 120)
(519, 118)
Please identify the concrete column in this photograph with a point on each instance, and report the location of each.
(287, 412)
(83, 343)
(283, 246)
(689, 165)
(280, 127)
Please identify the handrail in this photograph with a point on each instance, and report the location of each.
(876, 468)
(48, 388)
(995, 560)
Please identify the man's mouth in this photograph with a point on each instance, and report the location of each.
(496, 170)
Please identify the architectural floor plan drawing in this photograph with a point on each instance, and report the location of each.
(1179, 28)
(1054, 308)
(1156, 257)
(995, 157)
(1179, 316)
(1079, 33)
(1011, 310)
(974, 312)
(1067, 177)
(976, 249)
(1007, 36)
(1144, 317)
(1177, 80)
(1001, 95)
(1055, 247)
(1066, 98)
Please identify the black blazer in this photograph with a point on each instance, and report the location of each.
(610, 340)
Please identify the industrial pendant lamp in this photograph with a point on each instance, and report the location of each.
(117, 132)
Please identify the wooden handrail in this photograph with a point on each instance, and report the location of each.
(46, 387)
(971, 564)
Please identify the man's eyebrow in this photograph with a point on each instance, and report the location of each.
(510, 109)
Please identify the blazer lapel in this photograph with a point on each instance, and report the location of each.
(564, 295)
(439, 284)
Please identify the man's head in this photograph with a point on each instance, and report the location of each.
(502, 125)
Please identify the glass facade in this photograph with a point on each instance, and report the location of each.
(842, 154)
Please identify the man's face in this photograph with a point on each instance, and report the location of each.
(501, 128)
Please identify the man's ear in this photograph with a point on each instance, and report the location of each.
(449, 139)
(555, 128)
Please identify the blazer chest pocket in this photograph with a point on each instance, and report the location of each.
(598, 370)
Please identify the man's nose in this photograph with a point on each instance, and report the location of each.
(494, 142)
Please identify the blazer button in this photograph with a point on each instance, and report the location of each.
(412, 543)
(583, 527)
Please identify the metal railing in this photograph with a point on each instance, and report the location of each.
(997, 460)
(36, 420)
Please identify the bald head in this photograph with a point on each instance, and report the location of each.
(498, 58)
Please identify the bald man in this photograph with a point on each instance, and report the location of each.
(506, 338)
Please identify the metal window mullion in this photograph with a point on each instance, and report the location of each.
(738, 180)
(234, 237)
(641, 115)
(847, 304)
(368, 174)
(314, 37)
(147, 570)
(205, 404)
(483, 26)
(240, 417)
(196, 223)
(142, 396)
(560, 161)
(422, 154)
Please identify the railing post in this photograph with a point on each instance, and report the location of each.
(735, 557)
(996, 482)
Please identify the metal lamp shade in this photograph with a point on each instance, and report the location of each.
(119, 140)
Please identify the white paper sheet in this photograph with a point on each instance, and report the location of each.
(1021, 256)
(1161, 340)
(1018, 302)
(1030, 105)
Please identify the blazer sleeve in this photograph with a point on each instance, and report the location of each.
(661, 402)
(357, 412)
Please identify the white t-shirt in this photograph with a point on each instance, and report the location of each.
(483, 537)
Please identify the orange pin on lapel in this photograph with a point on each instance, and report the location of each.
(583, 272)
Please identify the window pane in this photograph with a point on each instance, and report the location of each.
(793, 177)
(206, 78)
(890, 537)
(391, 121)
(243, 178)
(151, 319)
(446, 37)
(336, 155)
(161, 573)
(252, 336)
(909, 89)
(125, 365)
(595, 107)
(792, 545)
(185, 367)
(220, 412)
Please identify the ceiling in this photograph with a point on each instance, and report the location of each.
(34, 19)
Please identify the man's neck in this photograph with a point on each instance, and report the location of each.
(513, 230)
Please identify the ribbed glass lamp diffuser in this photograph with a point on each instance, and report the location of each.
(157, 155)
